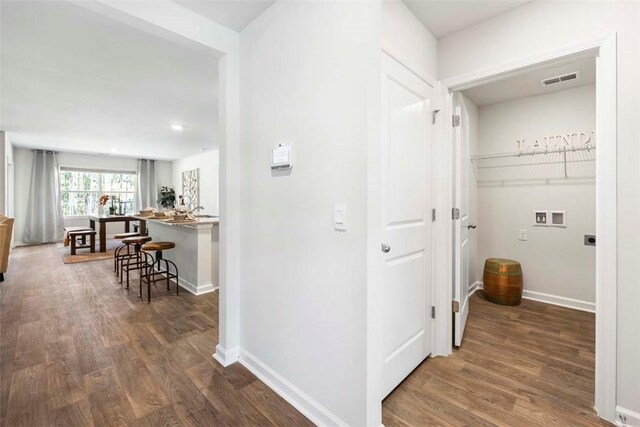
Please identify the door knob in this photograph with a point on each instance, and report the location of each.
(471, 226)
(386, 248)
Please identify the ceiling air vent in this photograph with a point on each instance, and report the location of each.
(562, 78)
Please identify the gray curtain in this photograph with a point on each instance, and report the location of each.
(147, 194)
(44, 221)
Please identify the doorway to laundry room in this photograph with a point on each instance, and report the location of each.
(525, 230)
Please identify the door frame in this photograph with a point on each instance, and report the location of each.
(604, 49)
(167, 20)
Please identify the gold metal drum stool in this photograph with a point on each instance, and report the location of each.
(503, 281)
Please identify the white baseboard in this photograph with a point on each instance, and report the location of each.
(476, 286)
(226, 357)
(547, 298)
(310, 408)
(560, 301)
(197, 290)
(627, 418)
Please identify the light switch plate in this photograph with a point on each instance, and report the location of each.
(340, 217)
(522, 235)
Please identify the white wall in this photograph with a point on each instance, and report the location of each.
(209, 165)
(306, 69)
(408, 40)
(23, 164)
(554, 260)
(538, 27)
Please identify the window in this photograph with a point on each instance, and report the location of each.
(81, 189)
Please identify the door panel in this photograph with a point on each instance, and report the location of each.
(462, 164)
(406, 152)
(402, 287)
(406, 196)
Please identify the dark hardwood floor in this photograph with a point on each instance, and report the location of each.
(531, 365)
(76, 349)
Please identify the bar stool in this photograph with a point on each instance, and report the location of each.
(136, 260)
(117, 255)
(154, 269)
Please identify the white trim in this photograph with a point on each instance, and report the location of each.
(576, 304)
(304, 403)
(226, 357)
(100, 171)
(489, 74)
(169, 20)
(419, 74)
(475, 287)
(190, 287)
(627, 418)
(197, 290)
(443, 226)
(606, 229)
(604, 48)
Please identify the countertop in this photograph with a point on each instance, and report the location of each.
(200, 222)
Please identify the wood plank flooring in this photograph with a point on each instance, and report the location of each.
(531, 365)
(76, 349)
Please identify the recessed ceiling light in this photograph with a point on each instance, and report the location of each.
(177, 127)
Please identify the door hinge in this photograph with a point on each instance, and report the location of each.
(455, 121)
(434, 113)
(455, 306)
(433, 214)
(455, 213)
(433, 312)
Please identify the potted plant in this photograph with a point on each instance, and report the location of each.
(167, 197)
(113, 208)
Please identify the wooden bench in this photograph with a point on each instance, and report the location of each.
(79, 240)
(68, 230)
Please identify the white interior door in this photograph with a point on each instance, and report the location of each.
(406, 216)
(462, 226)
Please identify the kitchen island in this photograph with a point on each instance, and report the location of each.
(196, 252)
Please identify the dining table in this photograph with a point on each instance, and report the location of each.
(102, 220)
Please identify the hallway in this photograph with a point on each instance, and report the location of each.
(76, 349)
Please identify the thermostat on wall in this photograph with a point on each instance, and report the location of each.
(281, 157)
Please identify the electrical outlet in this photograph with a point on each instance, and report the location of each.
(522, 235)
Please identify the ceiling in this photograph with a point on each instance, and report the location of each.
(528, 83)
(234, 14)
(75, 80)
(444, 17)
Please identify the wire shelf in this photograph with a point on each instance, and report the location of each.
(563, 156)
